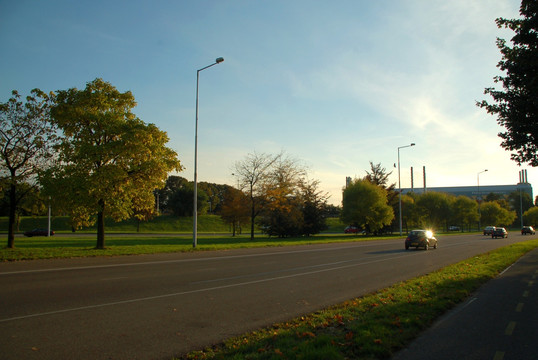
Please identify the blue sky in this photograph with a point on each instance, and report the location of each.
(334, 84)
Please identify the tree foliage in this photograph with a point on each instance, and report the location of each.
(235, 209)
(110, 161)
(365, 205)
(252, 174)
(26, 140)
(435, 209)
(531, 216)
(493, 213)
(515, 105)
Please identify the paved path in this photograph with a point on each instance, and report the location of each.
(499, 322)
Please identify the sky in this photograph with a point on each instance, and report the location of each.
(334, 84)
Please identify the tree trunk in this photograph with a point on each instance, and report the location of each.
(12, 213)
(252, 215)
(101, 226)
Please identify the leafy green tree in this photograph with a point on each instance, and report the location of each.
(110, 161)
(314, 203)
(515, 105)
(434, 208)
(26, 141)
(531, 216)
(493, 213)
(520, 203)
(365, 204)
(410, 213)
(464, 212)
(181, 202)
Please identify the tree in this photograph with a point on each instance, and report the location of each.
(434, 208)
(26, 140)
(365, 204)
(464, 211)
(252, 174)
(282, 213)
(531, 216)
(110, 161)
(493, 213)
(520, 202)
(235, 208)
(181, 202)
(314, 208)
(515, 106)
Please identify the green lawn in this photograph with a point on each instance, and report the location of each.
(28, 248)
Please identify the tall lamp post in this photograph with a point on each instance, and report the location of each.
(195, 211)
(400, 187)
(478, 197)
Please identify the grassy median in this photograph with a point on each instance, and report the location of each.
(374, 326)
(84, 245)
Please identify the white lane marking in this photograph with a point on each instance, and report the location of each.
(189, 260)
(197, 291)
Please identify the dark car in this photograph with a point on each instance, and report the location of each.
(527, 230)
(488, 230)
(420, 239)
(38, 232)
(499, 232)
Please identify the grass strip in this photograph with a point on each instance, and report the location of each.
(55, 247)
(374, 326)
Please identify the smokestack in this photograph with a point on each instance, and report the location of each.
(424, 177)
(412, 184)
(520, 176)
(526, 178)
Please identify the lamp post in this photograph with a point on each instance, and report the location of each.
(478, 197)
(400, 187)
(195, 211)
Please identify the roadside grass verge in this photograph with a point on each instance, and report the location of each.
(374, 326)
(84, 245)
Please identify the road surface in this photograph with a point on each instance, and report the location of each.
(158, 306)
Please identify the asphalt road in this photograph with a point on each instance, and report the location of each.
(158, 306)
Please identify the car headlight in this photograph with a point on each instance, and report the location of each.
(429, 233)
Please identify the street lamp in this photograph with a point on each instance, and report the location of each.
(399, 185)
(478, 196)
(195, 211)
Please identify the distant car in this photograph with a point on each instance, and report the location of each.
(37, 232)
(352, 230)
(499, 232)
(453, 228)
(420, 239)
(488, 230)
(527, 230)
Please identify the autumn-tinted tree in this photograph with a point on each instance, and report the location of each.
(365, 204)
(26, 140)
(110, 161)
(515, 105)
(282, 213)
(235, 209)
(252, 174)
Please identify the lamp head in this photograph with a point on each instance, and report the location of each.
(219, 60)
(412, 144)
